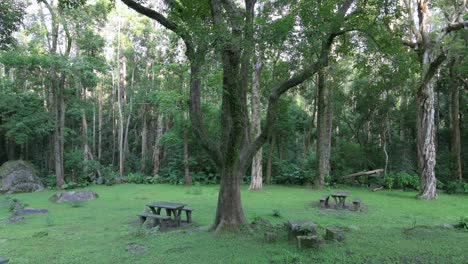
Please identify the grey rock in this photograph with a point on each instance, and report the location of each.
(28, 210)
(260, 223)
(270, 237)
(73, 196)
(16, 219)
(3, 260)
(448, 226)
(334, 233)
(353, 228)
(304, 242)
(19, 176)
(136, 248)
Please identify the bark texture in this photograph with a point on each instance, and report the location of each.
(324, 130)
(455, 121)
(257, 177)
(157, 146)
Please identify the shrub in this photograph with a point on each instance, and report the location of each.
(402, 180)
(454, 187)
(276, 213)
(136, 177)
(388, 182)
(463, 223)
(69, 185)
(288, 173)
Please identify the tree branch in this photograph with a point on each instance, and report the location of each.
(433, 67)
(451, 27)
(164, 21)
(248, 151)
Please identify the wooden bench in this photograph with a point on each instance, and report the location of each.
(158, 219)
(188, 213)
(324, 200)
(357, 203)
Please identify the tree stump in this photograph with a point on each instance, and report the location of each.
(334, 233)
(304, 242)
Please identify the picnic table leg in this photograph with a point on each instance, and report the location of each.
(336, 202)
(178, 214)
(158, 211)
(152, 210)
(168, 212)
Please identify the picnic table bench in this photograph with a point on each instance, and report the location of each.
(324, 200)
(357, 203)
(157, 219)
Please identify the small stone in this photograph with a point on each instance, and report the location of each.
(33, 211)
(3, 260)
(41, 234)
(353, 228)
(271, 237)
(334, 233)
(448, 226)
(258, 223)
(304, 242)
(15, 219)
(136, 248)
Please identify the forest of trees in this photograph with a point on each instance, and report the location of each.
(221, 92)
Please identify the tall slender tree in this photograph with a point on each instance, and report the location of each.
(428, 46)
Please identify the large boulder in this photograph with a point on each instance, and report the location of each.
(73, 196)
(19, 176)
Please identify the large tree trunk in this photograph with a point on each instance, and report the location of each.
(188, 176)
(455, 120)
(426, 126)
(324, 130)
(229, 213)
(59, 117)
(271, 149)
(256, 182)
(426, 141)
(157, 146)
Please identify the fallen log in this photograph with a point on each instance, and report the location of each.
(377, 189)
(362, 173)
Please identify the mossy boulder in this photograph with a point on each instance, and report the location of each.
(73, 196)
(19, 176)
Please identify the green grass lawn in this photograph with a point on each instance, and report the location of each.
(99, 231)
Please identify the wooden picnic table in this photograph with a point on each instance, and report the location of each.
(340, 198)
(171, 208)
